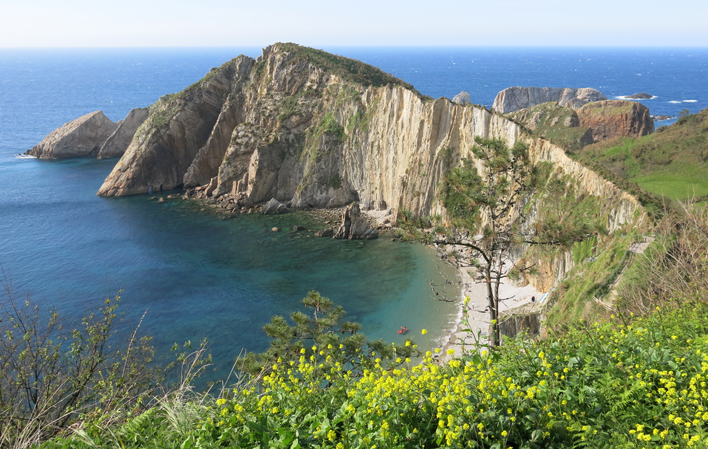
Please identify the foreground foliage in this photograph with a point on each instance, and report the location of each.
(622, 384)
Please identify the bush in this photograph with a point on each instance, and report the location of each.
(56, 373)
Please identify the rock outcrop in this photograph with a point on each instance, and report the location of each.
(81, 137)
(613, 118)
(640, 96)
(556, 123)
(462, 98)
(354, 226)
(274, 207)
(515, 98)
(118, 142)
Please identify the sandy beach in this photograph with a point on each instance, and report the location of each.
(511, 297)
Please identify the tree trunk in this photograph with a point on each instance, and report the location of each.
(493, 340)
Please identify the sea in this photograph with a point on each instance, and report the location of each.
(193, 275)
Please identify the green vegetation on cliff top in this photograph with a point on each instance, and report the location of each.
(550, 121)
(348, 69)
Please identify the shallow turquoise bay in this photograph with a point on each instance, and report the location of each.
(197, 274)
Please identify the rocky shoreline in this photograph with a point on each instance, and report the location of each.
(347, 222)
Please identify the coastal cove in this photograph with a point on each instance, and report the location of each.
(197, 274)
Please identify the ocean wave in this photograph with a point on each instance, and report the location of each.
(690, 101)
(25, 156)
(674, 101)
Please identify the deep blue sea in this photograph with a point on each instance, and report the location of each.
(199, 276)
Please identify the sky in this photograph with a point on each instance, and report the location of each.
(210, 23)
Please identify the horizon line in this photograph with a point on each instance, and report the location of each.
(111, 47)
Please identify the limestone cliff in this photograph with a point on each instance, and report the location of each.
(315, 130)
(81, 137)
(515, 98)
(118, 142)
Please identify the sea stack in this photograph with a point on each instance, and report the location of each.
(81, 137)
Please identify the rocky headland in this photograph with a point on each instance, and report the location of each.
(515, 98)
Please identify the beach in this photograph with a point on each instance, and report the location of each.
(461, 336)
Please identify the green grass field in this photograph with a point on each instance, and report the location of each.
(672, 163)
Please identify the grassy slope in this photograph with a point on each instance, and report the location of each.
(671, 163)
(548, 121)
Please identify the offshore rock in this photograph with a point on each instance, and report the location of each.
(274, 207)
(515, 98)
(118, 142)
(354, 225)
(462, 98)
(640, 96)
(613, 118)
(81, 137)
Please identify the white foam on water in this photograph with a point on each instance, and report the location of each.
(690, 101)
(25, 156)
(674, 101)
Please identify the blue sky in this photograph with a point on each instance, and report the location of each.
(156, 23)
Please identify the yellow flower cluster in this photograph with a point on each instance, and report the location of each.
(557, 392)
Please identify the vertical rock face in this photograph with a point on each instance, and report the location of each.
(515, 98)
(354, 226)
(81, 137)
(616, 118)
(118, 142)
(318, 130)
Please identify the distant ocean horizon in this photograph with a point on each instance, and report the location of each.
(201, 276)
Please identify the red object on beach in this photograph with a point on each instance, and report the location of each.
(403, 330)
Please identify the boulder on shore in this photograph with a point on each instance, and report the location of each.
(354, 225)
(515, 98)
(119, 141)
(274, 207)
(81, 137)
(329, 232)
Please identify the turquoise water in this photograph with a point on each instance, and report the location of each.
(197, 274)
